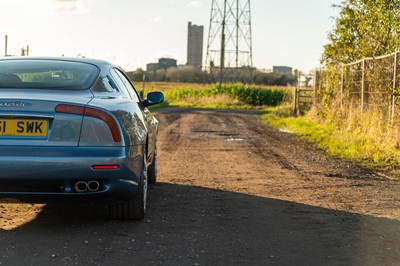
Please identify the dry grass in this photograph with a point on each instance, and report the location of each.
(363, 138)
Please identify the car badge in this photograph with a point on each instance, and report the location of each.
(14, 104)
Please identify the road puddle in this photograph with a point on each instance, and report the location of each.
(218, 134)
(236, 139)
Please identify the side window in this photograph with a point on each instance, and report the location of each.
(128, 85)
(120, 83)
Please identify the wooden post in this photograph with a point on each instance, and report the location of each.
(362, 86)
(295, 101)
(393, 97)
(316, 87)
(342, 88)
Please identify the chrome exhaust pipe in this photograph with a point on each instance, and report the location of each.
(93, 186)
(81, 186)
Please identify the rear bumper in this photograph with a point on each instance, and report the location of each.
(49, 174)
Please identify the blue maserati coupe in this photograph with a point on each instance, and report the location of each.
(76, 130)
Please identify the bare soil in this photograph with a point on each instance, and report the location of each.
(231, 191)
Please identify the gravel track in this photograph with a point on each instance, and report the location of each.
(231, 191)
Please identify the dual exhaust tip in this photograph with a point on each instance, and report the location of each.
(87, 186)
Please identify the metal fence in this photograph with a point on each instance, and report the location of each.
(371, 85)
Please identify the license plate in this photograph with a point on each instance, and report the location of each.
(23, 127)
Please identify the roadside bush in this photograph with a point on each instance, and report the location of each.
(250, 95)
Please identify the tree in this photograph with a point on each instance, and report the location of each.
(364, 28)
(136, 75)
(274, 79)
(160, 74)
(171, 74)
(184, 74)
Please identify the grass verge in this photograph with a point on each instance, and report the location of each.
(349, 143)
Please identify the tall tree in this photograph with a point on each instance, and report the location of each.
(364, 28)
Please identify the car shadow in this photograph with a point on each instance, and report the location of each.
(189, 225)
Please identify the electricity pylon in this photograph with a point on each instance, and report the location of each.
(229, 37)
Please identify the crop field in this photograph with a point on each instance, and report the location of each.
(216, 96)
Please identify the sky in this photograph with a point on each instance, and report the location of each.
(132, 33)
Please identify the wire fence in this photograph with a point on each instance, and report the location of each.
(371, 85)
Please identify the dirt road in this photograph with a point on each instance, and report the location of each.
(231, 192)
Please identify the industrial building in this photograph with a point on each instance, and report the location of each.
(195, 45)
(164, 63)
(167, 62)
(285, 70)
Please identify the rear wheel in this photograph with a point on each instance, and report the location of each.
(134, 209)
(152, 170)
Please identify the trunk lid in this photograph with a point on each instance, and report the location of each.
(28, 117)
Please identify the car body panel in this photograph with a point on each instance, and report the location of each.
(64, 129)
(132, 123)
(50, 174)
(47, 168)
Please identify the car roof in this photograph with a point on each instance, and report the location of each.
(97, 62)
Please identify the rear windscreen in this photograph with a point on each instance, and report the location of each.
(47, 74)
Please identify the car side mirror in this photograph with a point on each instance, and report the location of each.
(153, 98)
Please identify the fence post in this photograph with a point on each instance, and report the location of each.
(316, 87)
(295, 101)
(342, 88)
(296, 108)
(393, 97)
(362, 86)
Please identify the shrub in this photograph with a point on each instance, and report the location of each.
(250, 95)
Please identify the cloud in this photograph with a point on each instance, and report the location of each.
(67, 9)
(195, 4)
(64, 1)
(70, 6)
(157, 19)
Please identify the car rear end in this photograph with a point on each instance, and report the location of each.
(53, 144)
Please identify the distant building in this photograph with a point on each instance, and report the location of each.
(167, 63)
(195, 45)
(152, 66)
(164, 63)
(282, 70)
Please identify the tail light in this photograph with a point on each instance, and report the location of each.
(105, 167)
(96, 113)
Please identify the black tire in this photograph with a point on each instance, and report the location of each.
(134, 209)
(152, 170)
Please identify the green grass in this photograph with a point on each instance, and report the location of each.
(350, 143)
(226, 96)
